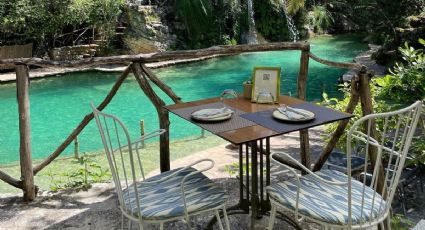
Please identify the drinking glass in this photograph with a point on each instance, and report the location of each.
(264, 97)
(227, 94)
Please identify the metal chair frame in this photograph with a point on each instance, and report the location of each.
(406, 121)
(107, 140)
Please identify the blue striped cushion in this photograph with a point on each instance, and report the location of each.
(328, 203)
(164, 200)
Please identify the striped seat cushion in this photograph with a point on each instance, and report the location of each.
(328, 203)
(164, 200)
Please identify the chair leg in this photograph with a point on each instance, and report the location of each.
(189, 226)
(130, 223)
(389, 222)
(122, 221)
(272, 217)
(217, 215)
(226, 219)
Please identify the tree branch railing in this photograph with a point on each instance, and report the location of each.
(144, 76)
(83, 123)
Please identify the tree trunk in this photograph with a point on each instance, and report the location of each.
(27, 175)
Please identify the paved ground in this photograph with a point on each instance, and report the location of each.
(97, 207)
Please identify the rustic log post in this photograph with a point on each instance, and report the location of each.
(27, 175)
(76, 147)
(83, 123)
(10, 180)
(354, 100)
(142, 132)
(301, 89)
(164, 122)
(164, 87)
(367, 108)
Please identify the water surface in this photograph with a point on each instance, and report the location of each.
(59, 104)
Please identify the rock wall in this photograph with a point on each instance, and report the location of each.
(147, 31)
(69, 53)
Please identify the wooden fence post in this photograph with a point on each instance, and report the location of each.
(301, 89)
(339, 131)
(76, 147)
(367, 108)
(142, 131)
(22, 90)
(164, 121)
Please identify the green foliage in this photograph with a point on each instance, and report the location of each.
(379, 18)
(406, 81)
(389, 93)
(319, 18)
(85, 173)
(400, 222)
(233, 169)
(341, 105)
(47, 21)
(209, 22)
(197, 17)
(293, 6)
(271, 20)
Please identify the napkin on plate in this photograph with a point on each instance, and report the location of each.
(294, 113)
(212, 113)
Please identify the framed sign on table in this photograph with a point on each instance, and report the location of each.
(266, 80)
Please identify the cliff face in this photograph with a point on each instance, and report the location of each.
(147, 31)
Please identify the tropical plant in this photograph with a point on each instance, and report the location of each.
(293, 6)
(196, 15)
(320, 19)
(406, 81)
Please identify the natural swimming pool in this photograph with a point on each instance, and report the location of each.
(59, 104)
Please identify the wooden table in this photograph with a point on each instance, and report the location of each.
(254, 145)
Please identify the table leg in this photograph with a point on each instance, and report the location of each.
(259, 205)
(254, 184)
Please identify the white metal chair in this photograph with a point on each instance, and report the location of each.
(336, 200)
(173, 195)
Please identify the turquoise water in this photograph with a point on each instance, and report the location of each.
(59, 104)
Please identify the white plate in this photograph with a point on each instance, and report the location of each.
(217, 117)
(281, 116)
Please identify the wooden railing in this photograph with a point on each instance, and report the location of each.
(143, 75)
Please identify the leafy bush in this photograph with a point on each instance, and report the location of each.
(86, 173)
(341, 105)
(403, 86)
(48, 22)
(406, 81)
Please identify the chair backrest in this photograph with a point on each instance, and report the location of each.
(120, 154)
(393, 132)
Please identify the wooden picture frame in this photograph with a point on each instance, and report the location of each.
(266, 79)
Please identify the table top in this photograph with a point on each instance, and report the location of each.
(256, 132)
